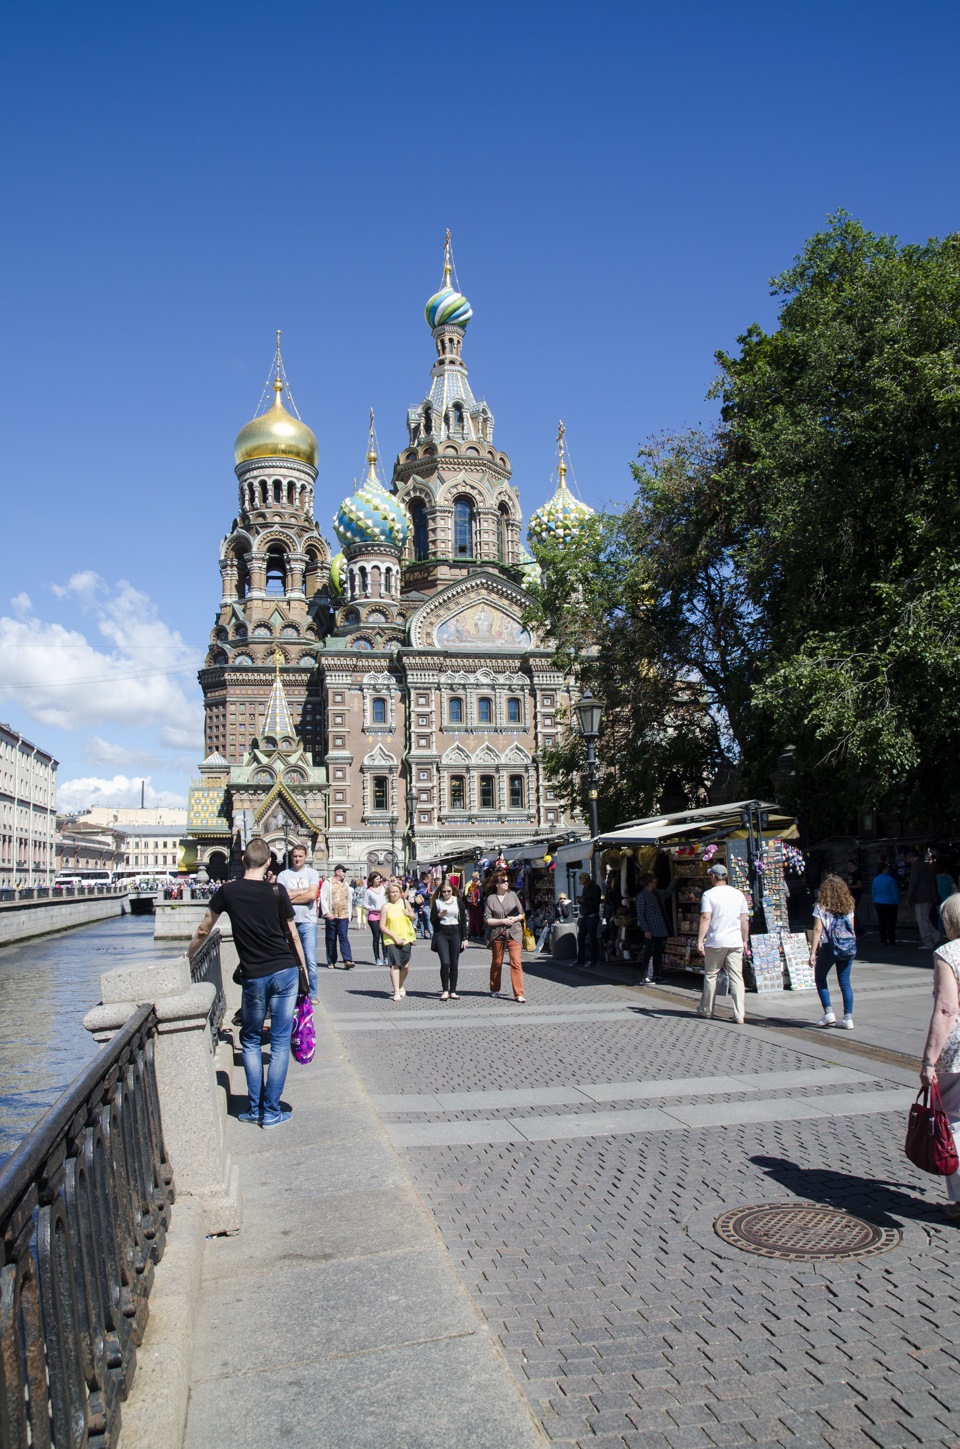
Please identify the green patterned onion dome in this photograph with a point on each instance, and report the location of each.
(448, 308)
(558, 520)
(337, 564)
(529, 568)
(371, 515)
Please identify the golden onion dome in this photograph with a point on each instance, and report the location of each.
(276, 434)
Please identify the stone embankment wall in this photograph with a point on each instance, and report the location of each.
(21, 919)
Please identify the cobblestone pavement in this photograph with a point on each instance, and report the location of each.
(575, 1153)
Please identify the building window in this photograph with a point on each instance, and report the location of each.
(455, 712)
(379, 711)
(486, 792)
(484, 710)
(513, 711)
(458, 792)
(421, 537)
(503, 537)
(379, 792)
(516, 792)
(463, 519)
(276, 571)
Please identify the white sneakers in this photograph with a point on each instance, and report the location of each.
(828, 1019)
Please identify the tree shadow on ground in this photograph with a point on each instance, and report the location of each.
(884, 1203)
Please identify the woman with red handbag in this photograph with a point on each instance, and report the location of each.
(941, 1055)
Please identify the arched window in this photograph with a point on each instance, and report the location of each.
(421, 539)
(463, 523)
(380, 785)
(276, 490)
(458, 792)
(486, 792)
(455, 711)
(513, 711)
(516, 792)
(243, 575)
(457, 418)
(503, 537)
(276, 571)
(379, 713)
(428, 421)
(484, 711)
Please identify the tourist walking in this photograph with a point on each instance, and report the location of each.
(921, 896)
(373, 902)
(589, 923)
(834, 944)
(473, 900)
(359, 896)
(651, 908)
(941, 1053)
(885, 894)
(503, 922)
(396, 927)
(302, 884)
(723, 937)
(271, 966)
(448, 916)
(336, 908)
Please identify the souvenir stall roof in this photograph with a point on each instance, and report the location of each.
(693, 824)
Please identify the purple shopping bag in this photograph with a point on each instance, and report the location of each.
(303, 1038)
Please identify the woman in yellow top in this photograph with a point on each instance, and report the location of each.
(396, 928)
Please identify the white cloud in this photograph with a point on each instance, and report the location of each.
(104, 752)
(57, 676)
(22, 606)
(176, 737)
(90, 790)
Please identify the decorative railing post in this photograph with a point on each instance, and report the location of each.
(84, 1207)
(188, 1101)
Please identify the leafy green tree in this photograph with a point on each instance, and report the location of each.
(841, 467)
(646, 607)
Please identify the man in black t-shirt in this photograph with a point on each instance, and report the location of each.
(269, 949)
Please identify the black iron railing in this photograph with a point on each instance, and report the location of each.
(84, 1210)
(205, 966)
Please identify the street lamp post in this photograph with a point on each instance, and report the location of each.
(589, 712)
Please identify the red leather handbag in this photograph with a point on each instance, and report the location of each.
(930, 1143)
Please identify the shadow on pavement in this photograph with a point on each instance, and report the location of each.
(882, 1203)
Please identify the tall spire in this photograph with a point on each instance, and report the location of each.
(372, 480)
(447, 262)
(278, 722)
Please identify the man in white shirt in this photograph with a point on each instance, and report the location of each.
(302, 885)
(724, 936)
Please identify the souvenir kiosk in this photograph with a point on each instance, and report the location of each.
(754, 840)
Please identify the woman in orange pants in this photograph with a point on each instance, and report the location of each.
(503, 919)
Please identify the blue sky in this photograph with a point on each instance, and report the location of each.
(621, 181)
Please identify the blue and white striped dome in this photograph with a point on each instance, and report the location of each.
(448, 308)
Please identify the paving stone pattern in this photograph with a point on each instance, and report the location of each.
(626, 1321)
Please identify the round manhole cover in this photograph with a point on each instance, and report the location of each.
(802, 1231)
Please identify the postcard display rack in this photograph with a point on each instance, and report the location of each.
(690, 869)
(781, 958)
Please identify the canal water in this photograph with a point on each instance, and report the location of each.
(46, 986)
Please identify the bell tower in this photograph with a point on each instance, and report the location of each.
(455, 485)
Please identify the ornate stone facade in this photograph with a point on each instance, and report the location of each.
(417, 704)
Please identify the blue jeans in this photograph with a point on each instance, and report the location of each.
(276, 994)
(307, 931)
(338, 932)
(826, 959)
(587, 928)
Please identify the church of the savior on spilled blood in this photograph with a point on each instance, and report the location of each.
(384, 702)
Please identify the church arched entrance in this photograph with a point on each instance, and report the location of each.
(217, 865)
